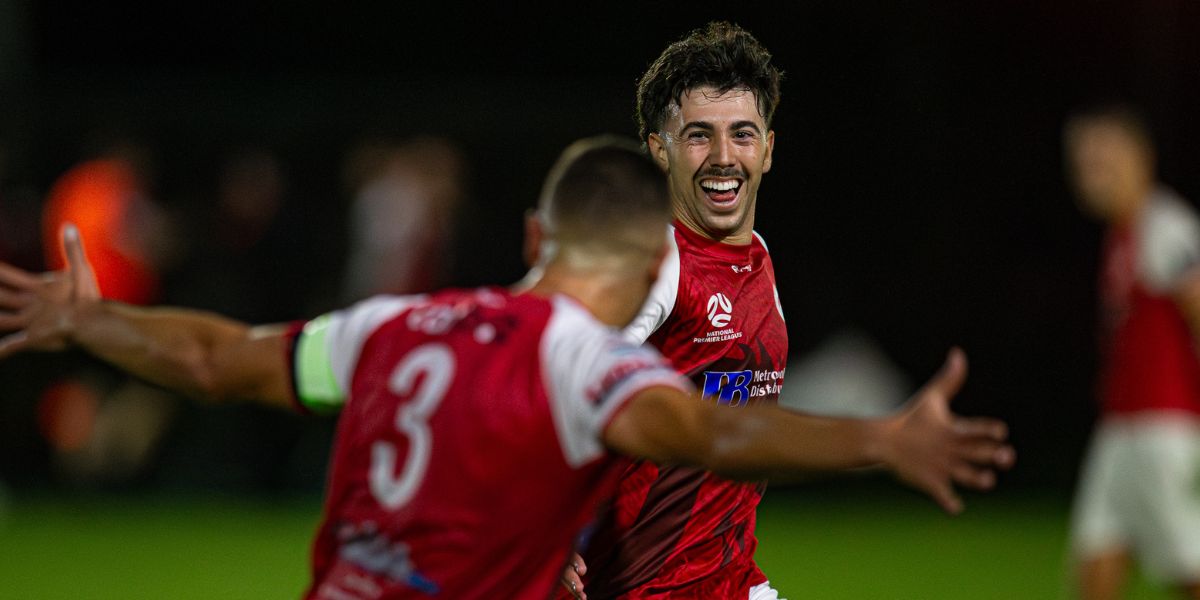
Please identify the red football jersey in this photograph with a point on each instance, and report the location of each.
(468, 453)
(1150, 356)
(681, 532)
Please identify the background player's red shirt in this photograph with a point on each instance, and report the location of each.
(1150, 359)
(469, 453)
(680, 532)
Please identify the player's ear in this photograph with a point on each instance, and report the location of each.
(658, 150)
(533, 238)
(770, 150)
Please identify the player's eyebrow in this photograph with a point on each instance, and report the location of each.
(749, 124)
(706, 126)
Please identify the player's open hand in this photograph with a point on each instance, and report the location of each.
(37, 311)
(932, 449)
(572, 576)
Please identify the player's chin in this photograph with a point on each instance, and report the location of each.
(724, 221)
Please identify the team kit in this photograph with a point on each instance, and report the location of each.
(603, 428)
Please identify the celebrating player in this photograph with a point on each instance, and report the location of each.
(704, 110)
(475, 424)
(1139, 493)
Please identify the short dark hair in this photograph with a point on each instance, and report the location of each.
(721, 55)
(601, 188)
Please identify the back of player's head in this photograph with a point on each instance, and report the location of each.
(721, 55)
(604, 196)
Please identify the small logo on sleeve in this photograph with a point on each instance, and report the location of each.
(618, 373)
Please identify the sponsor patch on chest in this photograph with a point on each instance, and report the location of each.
(736, 388)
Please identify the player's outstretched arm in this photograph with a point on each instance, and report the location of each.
(201, 354)
(926, 445)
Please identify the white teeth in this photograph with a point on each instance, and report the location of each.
(719, 186)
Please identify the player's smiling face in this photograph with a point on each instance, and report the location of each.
(714, 148)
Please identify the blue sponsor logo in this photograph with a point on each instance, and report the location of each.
(372, 551)
(728, 387)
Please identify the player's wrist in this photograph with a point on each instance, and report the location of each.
(76, 319)
(880, 447)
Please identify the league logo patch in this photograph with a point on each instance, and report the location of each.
(720, 313)
(719, 310)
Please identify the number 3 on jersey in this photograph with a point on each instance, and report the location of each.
(436, 362)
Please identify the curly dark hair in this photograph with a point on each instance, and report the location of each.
(721, 55)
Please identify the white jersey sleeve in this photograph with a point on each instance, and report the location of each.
(327, 350)
(1169, 240)
(590, 371)
(661, 301)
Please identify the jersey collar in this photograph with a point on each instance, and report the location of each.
(722, 250)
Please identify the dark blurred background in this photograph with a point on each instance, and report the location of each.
(917, 193)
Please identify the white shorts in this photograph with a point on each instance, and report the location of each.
(764, 591)
(1140, 491)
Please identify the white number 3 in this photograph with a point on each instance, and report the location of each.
(436, 362)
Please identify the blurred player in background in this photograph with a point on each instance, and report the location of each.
(1139, 495)
(108, 199)
(475, 425)
(402, 219)
(244, 258)
(250, 253)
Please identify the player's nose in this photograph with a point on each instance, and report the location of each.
(720, 153)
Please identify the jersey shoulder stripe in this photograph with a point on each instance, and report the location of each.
(663, 294)
(760, 239)
(590, 371)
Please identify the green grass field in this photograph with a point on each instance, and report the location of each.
(826, 541)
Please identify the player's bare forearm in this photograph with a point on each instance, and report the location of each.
(926, 445)
(749, 443)
(201, 354)
(197, 353)
(767, 441)
(758, 442)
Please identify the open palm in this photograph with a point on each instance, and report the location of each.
(37, 310)
(933, 449)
